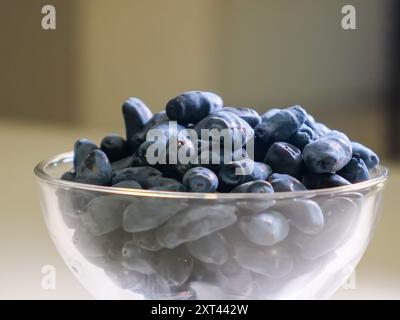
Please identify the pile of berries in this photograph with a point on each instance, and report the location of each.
(290, 150)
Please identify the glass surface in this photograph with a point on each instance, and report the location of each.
(141, 244)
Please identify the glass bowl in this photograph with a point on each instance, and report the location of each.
(142, 244)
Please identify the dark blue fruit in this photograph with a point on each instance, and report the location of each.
(324, 180)
(115, 147)
(302, 137)
(281, 125)
(158, 181)
(258, 186)
(249, 115)
(320, 130)
(164, 131)
(68, 176)
(136, 116)
(139, 174)
(200, 179)
(139, 137)
(310, 121)
(267, 115)
(328, 154)
(355, 171)
(123, 163)
(236, 173)
(95, 169)
(128, 184)
(237, 131)
(213, 156)
(260, 149)
(142, 151)
(192, 106)
(285, 183)
(284, 158)
(82, 148)
(180, 156)
(369, 157)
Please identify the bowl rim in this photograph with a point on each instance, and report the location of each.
(41, 173)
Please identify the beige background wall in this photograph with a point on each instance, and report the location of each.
(38, 68)
(260, 53)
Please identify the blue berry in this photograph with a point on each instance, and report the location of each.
(285, 183)
(200, 179)
(146, 240)
(310, 121)
(265, 117)
(194, 223)
(136, 116)
(328, 154)
(355, 171)
(137, 259)
(115, 147)
(139, 137)
(271, 261)
(128, 184)
(68, 176)
(239, 131)
(305, 215)
(213, 157)
(82, 148)
(302, 137)
(265, 229)
(192, 106)
(209, 249)
(174, 266)
(369, 157)
(260, 149)
(281, 125)
(320, 129)
(147, 213)
(249, 115)
(284, 158)
(122, 163)
(139, 174)
(165, 131)
(180, 153)
(103, 215)
(142, 150)
(158, 181)
(258, 186)
(236, 173)
(95, 169)
(323, 180)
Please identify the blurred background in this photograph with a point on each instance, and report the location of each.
(60, 85)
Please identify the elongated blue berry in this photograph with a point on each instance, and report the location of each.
(82, 148)
(200, 179)
(249, 115)
(284, 158)
(369, 157)
(355, 171)
(115, 147)
(281, 125)
(136, 116)
(95, 169)
(328, 154)
(258, 186)
(192, 106)
(285, 183)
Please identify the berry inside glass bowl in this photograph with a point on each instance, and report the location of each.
(287, 213)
